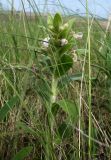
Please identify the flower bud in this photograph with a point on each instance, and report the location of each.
(78, 35)
(64, 42)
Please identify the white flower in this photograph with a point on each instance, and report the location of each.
(45, 42)
(78, 35)
(64, 42)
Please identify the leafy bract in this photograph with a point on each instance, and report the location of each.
(57, 22)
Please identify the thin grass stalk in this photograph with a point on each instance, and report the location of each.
(24, 23)
(80, 103)
(105, 34)
(89, 80)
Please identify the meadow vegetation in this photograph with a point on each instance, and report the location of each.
(55, 86)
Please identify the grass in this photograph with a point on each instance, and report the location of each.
(50, 109)
(89, 81)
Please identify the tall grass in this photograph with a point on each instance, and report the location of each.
(89, 77)
(50, 109)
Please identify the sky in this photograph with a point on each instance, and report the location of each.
(101, 8)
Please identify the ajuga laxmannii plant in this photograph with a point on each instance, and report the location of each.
(57, 48)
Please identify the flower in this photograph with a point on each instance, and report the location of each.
(64, 42)
(45, 42)
(78, 35)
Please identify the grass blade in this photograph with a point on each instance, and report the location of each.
(7, 107)
(23, 153)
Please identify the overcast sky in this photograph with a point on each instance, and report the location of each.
(101, 8)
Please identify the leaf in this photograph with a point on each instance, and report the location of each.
(70, 23)
(65, 48)
(57, 21)
(55, 108)
(63, 33)
(22, 126)
(65, 130)
(24, 152)
(50, 20)
(46, 61)
(43, 89)
(70, 108)
(65, 80)
(7, 107)
(63, 65)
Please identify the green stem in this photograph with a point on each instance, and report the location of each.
(50, 148)
(52, 100)
(54, 90)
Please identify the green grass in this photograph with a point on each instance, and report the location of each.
(53, 111)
